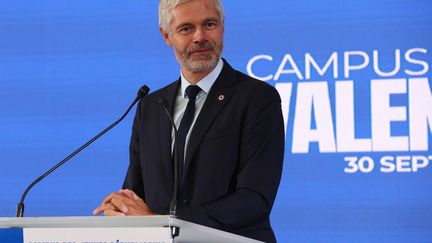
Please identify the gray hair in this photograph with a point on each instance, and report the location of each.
(167, 6)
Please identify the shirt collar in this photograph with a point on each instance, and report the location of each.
(206, 83)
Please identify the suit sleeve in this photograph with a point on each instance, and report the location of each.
(259, 169)
(133, 178)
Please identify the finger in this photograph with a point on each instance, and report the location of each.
(130, 194)
(106, 201)
(109, 198)
(126, 192)
(102, 208)
(120, 203)
(113, 213)
(96, 211)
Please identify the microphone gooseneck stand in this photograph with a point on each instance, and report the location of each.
(143, 91)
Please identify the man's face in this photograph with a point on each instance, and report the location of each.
(196, 35)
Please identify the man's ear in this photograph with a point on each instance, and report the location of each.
(166, 37)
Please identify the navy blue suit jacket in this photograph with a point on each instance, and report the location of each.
(233, 161)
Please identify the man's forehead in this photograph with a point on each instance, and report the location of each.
(194, 11)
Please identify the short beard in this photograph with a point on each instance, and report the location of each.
(200, 64)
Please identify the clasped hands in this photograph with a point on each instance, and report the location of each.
(123, 203)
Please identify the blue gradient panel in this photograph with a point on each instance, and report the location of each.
(68, 69)
(11, 235)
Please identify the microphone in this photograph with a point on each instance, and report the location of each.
(163, 102)
(143, 91)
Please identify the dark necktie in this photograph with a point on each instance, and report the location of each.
(185, 124)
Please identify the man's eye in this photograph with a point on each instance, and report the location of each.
(211, 25)
(185, 30)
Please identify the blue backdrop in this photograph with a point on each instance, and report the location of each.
(354, 77)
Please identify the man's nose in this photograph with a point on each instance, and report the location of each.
(199, 35)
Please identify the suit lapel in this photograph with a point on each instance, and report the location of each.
(165, 129)
(218, 96)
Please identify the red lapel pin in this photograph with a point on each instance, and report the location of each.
(221, 97)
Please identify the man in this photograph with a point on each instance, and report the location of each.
(231, 156)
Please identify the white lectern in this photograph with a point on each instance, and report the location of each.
(148, 229)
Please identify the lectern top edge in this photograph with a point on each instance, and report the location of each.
(84, 222)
